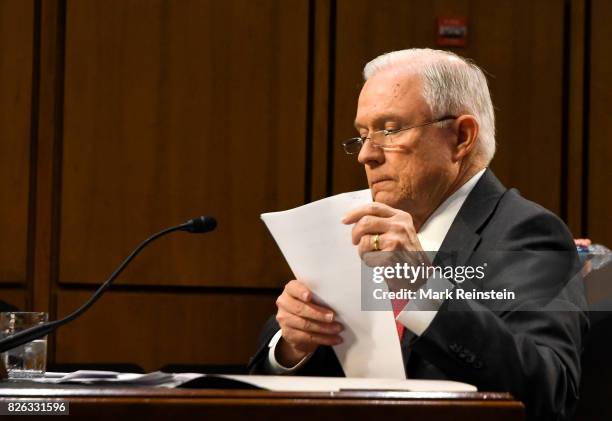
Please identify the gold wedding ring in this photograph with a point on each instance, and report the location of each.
(375, 243)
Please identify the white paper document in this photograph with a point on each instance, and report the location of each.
(318, 248)
(336, 384)
(156, 378)
(274, 383)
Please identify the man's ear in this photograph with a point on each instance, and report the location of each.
(467, 132)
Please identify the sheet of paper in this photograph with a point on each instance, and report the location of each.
(275, 383)
(318, 248)
(335, 384)
(107, 377)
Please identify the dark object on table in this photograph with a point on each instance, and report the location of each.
(119, 367)
(4, 306)
(205, 368)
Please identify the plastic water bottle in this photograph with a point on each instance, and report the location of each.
(597, 254)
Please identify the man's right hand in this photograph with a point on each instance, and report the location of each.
(304, 325)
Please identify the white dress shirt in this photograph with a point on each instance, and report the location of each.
(431, 235)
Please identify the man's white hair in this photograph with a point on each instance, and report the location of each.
(452, 85)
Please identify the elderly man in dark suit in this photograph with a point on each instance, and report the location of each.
(426, 137)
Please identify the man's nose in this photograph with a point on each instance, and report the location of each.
(370, 154)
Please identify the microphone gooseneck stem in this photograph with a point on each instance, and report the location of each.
(117, 272)
(41, 330)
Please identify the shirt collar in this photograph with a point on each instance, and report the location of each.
(436, 227)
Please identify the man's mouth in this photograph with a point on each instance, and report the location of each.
(379, 182)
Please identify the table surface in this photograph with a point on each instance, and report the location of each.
(121, 402)
(34, 389)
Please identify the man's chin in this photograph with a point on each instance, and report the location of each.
(386, 198)
(393, 200)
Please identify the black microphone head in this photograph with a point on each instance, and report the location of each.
(200, 224)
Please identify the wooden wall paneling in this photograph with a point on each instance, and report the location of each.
(176, 109)
(599, 199)
(575, 115)
(15, 295)
(518, 43)
(157, 328)
(46, 162)
(16, 40)
(323, 50)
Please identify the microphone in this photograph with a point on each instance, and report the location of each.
(200, 224)
(197, 225)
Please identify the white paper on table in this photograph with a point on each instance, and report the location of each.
(106, 377)
(318, 248)
(336, 384)
(274, 383)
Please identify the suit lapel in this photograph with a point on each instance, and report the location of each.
(463, 235)
(458, 245)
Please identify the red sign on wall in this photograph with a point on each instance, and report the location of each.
(452, 32)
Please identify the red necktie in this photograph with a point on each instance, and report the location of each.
(398, 305)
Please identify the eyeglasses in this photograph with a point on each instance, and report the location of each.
(384, 138)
